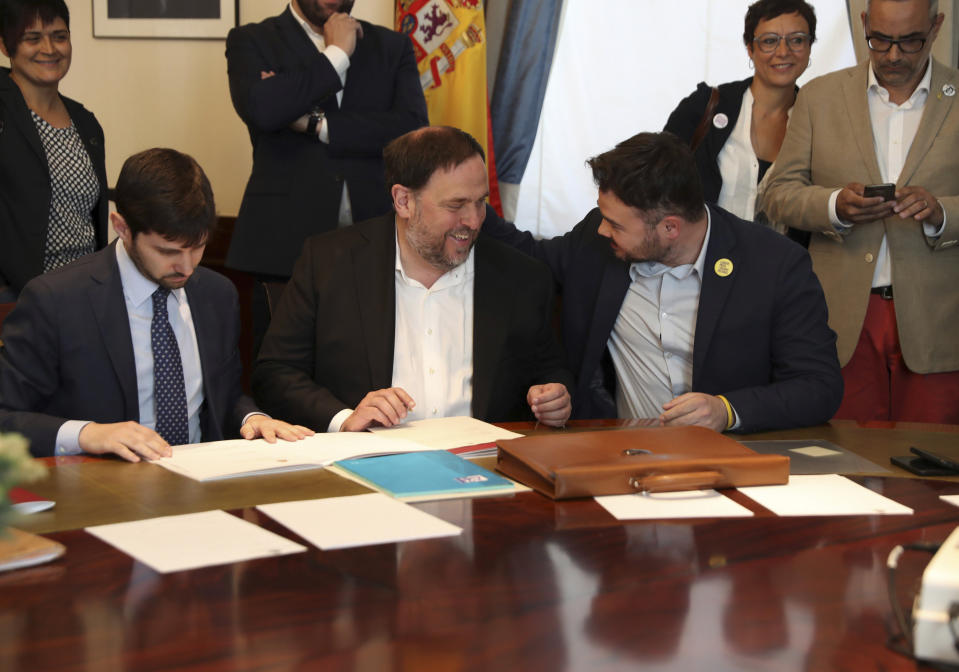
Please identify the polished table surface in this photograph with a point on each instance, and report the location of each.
(530, 584)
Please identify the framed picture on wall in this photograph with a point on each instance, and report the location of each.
(180, 19)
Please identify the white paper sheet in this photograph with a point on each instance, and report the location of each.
(446, 433)
(239, 457)
(358, 520)
(661, 505)
(175, 543)
(950, 499)
(823, 495)
(815, 451)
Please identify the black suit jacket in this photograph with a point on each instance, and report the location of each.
(686, 117)
(295, 187)
(761, 334)
(25, 183)
(67, 353)
(331, 339)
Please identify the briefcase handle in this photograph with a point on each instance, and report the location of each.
(690, 480)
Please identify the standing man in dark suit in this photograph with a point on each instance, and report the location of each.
(683, 312)
(133, 348)
(402, 317)
(321, 94)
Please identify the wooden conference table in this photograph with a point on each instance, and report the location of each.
(531, 584)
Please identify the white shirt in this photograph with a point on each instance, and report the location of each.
(432, 343)
(652, 341)
(137, 293)
(739, 166)
(894, 128)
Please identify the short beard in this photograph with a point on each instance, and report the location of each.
(314, 16)
(430, 252)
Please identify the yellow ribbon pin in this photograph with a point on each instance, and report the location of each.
(723, 267)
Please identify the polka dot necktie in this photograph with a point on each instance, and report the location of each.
(169, 391)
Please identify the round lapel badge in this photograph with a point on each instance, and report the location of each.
(723, 267)
(720, 120)
(949, 90)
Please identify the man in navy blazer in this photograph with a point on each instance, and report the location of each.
(77, 366)
(321, 94)
(402, 317)
(682, 312)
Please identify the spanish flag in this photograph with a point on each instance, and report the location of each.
(449, 39)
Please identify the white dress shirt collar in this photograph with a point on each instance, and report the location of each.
(872, 84)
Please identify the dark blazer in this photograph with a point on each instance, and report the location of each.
(25, 183)
(686, 117)
(67, 353)
(331, 339)
(761, 335)
(295, 188)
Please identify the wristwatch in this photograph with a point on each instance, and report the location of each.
(316, 118)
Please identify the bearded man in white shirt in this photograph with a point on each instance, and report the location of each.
(410, 315)
(889, 267)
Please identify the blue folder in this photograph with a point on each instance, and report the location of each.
(434, 472)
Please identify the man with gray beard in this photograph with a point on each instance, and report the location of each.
(409, 315)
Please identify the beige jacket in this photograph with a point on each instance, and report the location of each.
(828, 144)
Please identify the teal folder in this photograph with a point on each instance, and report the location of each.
(433, 472)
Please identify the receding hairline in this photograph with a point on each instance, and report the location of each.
(933, 6)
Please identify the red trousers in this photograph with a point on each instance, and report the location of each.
(880, 387)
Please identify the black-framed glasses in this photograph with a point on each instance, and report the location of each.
(907, 45)
(769, 42)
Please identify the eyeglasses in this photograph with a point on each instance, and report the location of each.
(907, 45)
(769, 42)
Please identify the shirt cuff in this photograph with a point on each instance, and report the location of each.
(68, 437)
(839, 225)
(250, 415)
(932, 232)
(339, 419)
(339, 60)
(323, 132)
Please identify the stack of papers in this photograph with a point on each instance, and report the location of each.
(240, 457)
(461, 435)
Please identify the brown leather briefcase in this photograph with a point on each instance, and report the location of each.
(616, 462)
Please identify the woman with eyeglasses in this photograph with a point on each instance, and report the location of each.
(53, 201)
(736, 129)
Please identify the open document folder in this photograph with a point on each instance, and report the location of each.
(240, 457)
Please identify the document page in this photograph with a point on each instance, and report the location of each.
(446, 433)
(950, 499)
(176, 543)
(823, 495)
(661, 505)
(358, 520)
(239, 457)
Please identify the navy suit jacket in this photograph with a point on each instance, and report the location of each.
(331, 339)
(761, 334)
(67, 353)
(25, 183)
(295, 188)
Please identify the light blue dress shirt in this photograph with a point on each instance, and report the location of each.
(137, 293)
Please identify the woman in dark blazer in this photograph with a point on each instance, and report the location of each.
(53, 200)
(747, 125)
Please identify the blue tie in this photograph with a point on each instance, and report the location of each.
(169, 392)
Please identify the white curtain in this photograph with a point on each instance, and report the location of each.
(621, 66)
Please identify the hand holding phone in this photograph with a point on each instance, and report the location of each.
(887, 191)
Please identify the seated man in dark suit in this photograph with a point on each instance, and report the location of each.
(683, 312)
(133, 349)
(402, 317)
